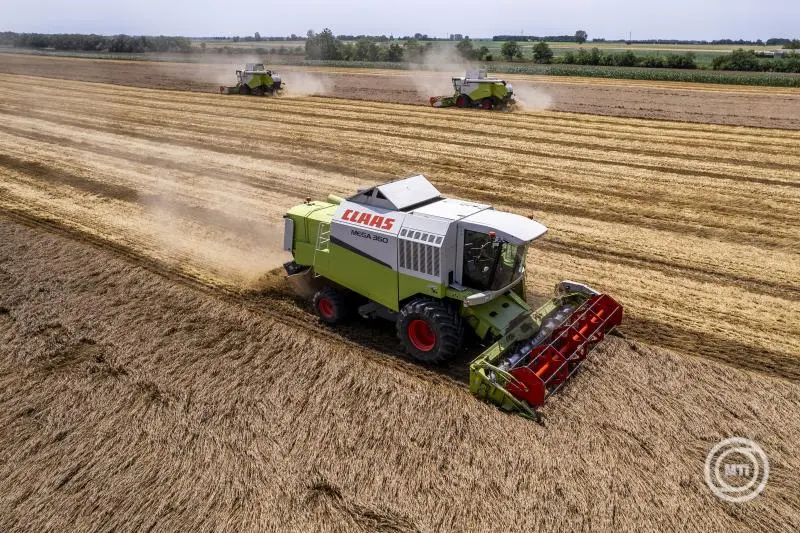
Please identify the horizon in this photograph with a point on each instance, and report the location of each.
(302, 37)
(612, 20)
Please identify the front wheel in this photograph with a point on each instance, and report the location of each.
(487, 104)
(244, 89)
(463, 100)
(430, 330)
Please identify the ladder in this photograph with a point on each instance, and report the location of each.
(323, 240)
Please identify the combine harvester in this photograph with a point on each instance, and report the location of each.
(477, 90)
(437, 266)
(255, 80)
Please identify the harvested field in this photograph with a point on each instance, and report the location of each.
(158, 377)
(129, 401)
(693, 228)
(769, 107)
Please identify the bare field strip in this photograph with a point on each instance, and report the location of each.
(693, 227)
(130, 401)
(770, 107)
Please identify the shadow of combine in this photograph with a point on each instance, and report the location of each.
(376, 334)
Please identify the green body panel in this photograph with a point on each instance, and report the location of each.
(487, 90)
(410, 286)
(307, 217)
(361, 275)
(257, 80)
(498, 317)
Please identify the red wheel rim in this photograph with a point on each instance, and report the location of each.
(487, 104)
(421, 335)
(326, 308)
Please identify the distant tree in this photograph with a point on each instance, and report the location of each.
(257, 36)
(310, 34)
(236, 39)
(682, 61)
(483, 53)
(581, 36)
(366, 50)
(393, 52)
(542, 53)
(511, 50)
(738, 60)
(775, 41)
(465, 49)
(324, 46)
(793, 45)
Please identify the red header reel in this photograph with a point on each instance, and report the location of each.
(551, 363)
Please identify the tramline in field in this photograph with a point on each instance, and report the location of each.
(437, 266)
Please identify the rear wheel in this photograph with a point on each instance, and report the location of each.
(430, 330)
(463, 100)
(244, 89)
(487, 103)
(331, 306)
(259, 91)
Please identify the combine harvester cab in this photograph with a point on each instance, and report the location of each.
(437, 266)
(256, 80)
(476, 89)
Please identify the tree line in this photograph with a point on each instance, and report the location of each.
(749, 60)
(326, 46)
(737, 60)
(581, 37)
(98, 43)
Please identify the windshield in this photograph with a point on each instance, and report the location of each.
(490, 264)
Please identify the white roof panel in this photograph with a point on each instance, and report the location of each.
(508, 225)
(408, 192)
(449, 209)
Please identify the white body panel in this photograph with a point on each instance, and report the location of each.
(450, 209)
(368, 230)
(515, 229)
(426, 241)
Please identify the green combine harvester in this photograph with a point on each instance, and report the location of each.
(255, 80)
(476, 89)
(438, 267)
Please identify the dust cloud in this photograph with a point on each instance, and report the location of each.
(299, 83)
(531, 98)
(216, 233)
(446, 63)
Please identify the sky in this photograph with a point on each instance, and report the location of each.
(611, 19)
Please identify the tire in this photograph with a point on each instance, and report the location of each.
(487, 103)
(463, 100)
(430, 330)
(331, 306)
(244, 89)
(258, 91)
